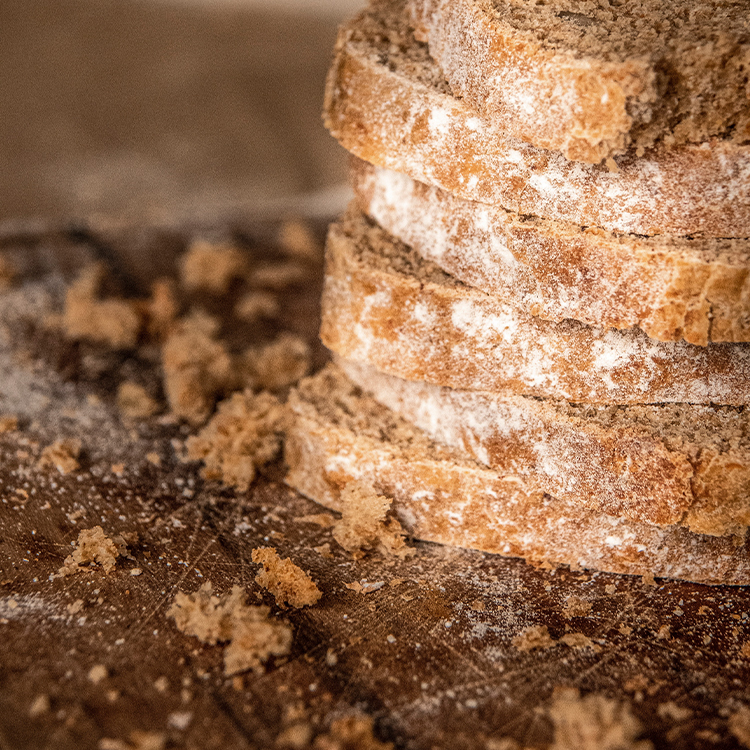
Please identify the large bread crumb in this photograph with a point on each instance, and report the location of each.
(251, 637)
(363, 522)
(593, 723)
(211, 266)
(62, 454)
(286, 581)
(351, 733)
(244, 434)
(197, 368)
(278, 364)
(114, 322)
(94, 546)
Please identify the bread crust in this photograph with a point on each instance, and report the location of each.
(442, 498)
(691, 289)
(384, 305)
(387, 103)
(591, 81)
(659, 464)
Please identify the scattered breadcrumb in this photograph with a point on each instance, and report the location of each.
(197, 368)
(739, 725)
(39, 706)
(211, 266)
(536, 636)
(670, 710)
(664, 633)
(278, 276)
(593, 723)
(286, 581)
(297, 736)
(251, 636)
(62, 454)
(365, 587)
(8, 423)
(278, 364)
(114, 322)
(297, 239)
(257, 305)
(153, 458)
(648, 580)
(7, 272)
(324, 550)
(138, 741)
(94, 546)
(578, 640)
(244, 434)
(161, 684)
(324, 520)
(97, 673)
(363, 522)
(575, 606)
(162, 308)
(745, 650)
(134, 402)
(350, 733)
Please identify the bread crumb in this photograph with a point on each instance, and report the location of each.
(576, 606)
(286, 581)
(278, 276)
(324, 550)
(365, 587)
(536, 636)
(610, 589)
(502, 743)
(744, 651)
(278, 364)
(114, 322)
(257, 305)
(196, 368)
(636, 684)
(161, 684)
(134, 402)
(739, 725)
(39, 706)
(7, 272)
(118, 469)
(297, 736)
(211, 266)
(363, 522)
(648, 580)
(162, 308)
(664, 633)
(8, 423)
(324, 520)
(75, 607)
(97, 673)
(94, 546)
(670, 710)
(297, 239)
(153, 458)
(593, 723)
(138, 741)
(578, 640)
(477, 605)
(350, 733)
(244, 434)
(251, 636)
(62, 454)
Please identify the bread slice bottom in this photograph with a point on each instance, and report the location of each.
(337, 434)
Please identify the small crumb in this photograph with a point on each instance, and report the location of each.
(536, 636)
(245, 434)
(365, 587)
(153, 458)
(278, 364)
(251, 636)
(196, 367)
(324, 520)
(670, 710)
(180, 719)
(286, 581)
(351, 733)
(296, 736)
(135, 571)
(134, 402)
(477, 605)
(744, 651)
(648, 580)
(324, 550)
(118, 469)
(94, 546)
(578, 640)
(8, 423)
(625, 629)
(739, 725)
(62, 454)
(256, 305)
(75, 607)
(331, 659)
(636, 684)
(162, 308)
(211, 266)
(39, 706)
(612, 165)
(114, 322)
(363, 522)
(610, 589)
(278, 276)
(664, 633)
(576, 606)
(97, 673)
(161, 684)
(593, 723)
(297, 239)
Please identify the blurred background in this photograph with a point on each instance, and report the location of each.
(151, 109)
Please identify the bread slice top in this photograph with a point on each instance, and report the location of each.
(673, 288)
(337, 434)
(387, 102)
(593, 78)
(384, 304)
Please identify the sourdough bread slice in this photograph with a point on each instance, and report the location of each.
(385, 305)
(337, 435)
(387, 102)
(660, 464)
(695, 289)
(591, 79)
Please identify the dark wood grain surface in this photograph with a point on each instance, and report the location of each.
(429, 654)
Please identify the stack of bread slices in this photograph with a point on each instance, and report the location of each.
(539, 301)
